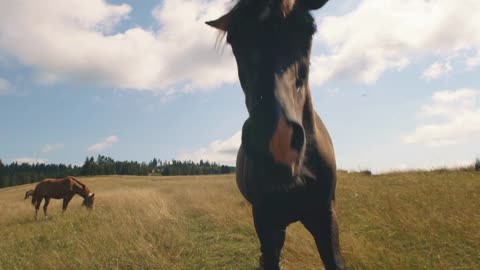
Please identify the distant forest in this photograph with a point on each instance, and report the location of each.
(18, 174)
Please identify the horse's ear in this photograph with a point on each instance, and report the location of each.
(314, 4)
(222, 23)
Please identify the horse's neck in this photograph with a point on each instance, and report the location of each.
(79, 187)
(80, 190)
(318, 138)
(78, 182)
(309, 114)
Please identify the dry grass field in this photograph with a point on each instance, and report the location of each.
(416, 220)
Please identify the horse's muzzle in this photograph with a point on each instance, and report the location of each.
(286, 143)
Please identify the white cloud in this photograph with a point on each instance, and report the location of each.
(456, 117)
(103, 145)
(75, 40)
(436, 70)
(473, 61)
(52, 147)
(220, 151)
(381, 35)
(5, 86)
(31, 160)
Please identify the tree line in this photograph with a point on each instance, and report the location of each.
(18, 174)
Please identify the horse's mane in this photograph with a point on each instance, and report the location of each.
(84, 187)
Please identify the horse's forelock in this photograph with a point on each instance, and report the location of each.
(265, 8)
(271, 7)
(287, 6)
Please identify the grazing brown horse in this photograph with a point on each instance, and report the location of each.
(64, 188)
(286, 164)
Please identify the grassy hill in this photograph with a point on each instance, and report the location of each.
(420, 220)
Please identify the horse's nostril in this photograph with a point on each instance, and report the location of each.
(298, 137)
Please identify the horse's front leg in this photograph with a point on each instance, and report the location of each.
(271, 238)
(323, 226)
(66, 200)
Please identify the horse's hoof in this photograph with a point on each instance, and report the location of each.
(261, 262)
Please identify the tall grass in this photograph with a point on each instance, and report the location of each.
(420, 220)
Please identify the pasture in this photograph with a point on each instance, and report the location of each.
(415, 220)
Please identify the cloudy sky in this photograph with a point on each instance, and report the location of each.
(395, 81)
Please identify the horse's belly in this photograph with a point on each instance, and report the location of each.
(53, 190)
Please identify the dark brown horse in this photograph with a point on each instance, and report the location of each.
(64, 188)
(286, 163)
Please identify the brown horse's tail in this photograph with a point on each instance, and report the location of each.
(28, 194)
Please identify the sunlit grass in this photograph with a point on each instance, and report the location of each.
(414, 220)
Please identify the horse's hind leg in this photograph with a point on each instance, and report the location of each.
(323, 226)
(45, 205)
(271, 240)
(37, 206)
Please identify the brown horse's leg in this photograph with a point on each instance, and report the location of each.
(45, 206)
(324, 229)
(66, 200)
(271, 239)
(37, 206)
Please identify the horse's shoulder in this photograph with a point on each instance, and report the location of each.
(323, 143)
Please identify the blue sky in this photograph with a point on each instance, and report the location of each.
(396, 82)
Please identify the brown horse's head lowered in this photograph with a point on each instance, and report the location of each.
(271, 41)
(89, 201)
